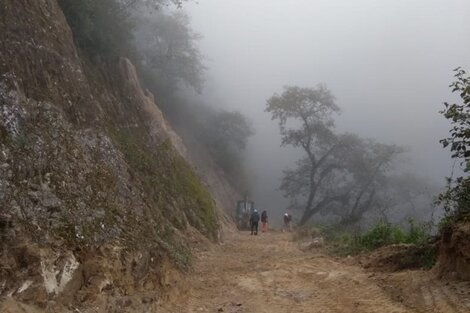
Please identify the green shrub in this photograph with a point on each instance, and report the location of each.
(382, 234)
(417, 234)
(341, 243)
(348, 244)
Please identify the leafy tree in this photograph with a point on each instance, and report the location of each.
(214, 136)
(152, 4)
(340, 172)
(226, 135)
(456, 199)
(408, 196)
(369, 164)
(229, 129)
(305, 118)
(102, 29)
(168, 47)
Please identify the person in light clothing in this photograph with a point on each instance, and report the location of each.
(287, 220)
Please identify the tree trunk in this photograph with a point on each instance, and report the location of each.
(306, 217)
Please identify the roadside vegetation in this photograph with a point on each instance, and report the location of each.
(456, 198)
(413, 245)
(380, 235)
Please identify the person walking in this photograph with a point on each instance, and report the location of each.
(287, 219)
(254, 220)
(264, 221)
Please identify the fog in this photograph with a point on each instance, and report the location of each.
(389, 64)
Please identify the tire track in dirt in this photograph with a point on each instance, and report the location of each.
(268, 273)
(438, 299)
(424, 293)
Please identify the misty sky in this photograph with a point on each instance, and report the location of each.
(388, 62)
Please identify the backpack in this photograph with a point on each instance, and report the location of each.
(255, 217)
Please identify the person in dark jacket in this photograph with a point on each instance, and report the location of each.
(254, 220)
(264, 221)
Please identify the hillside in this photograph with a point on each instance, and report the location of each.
(107, 206)
(99, 204)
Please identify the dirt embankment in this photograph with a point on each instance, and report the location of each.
(454, 254)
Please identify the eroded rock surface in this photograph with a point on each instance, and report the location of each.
(98, 206)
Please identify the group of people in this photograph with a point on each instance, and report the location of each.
(255, 219)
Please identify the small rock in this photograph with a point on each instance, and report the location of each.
(146, 300)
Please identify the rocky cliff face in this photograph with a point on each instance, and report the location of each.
(98, 206)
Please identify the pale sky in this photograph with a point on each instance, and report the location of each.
(388, 62)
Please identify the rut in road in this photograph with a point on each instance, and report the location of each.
(269, 273)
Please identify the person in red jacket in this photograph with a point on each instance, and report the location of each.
(264, 221)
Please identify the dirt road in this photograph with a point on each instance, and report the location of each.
(269, 273)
